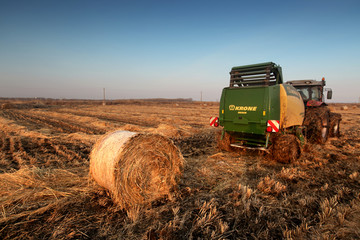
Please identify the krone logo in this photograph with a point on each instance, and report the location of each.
(242, 108)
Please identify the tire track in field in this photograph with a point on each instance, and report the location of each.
(11, 151)
(144, 118)
(23, 151)
(37, 122)
(114, 119)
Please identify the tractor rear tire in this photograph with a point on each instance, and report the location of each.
(317, 122)
(285, 148)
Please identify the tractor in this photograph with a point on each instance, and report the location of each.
(320, 122)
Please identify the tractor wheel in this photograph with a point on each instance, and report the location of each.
(335, 119)
(224, 144)
(325, 125)
(317, 122)
(336, 130)
(285, 148)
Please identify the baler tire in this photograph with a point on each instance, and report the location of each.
(224, 144)
(285, 148)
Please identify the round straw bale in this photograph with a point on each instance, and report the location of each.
(137, 169)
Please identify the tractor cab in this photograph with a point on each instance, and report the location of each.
(311, 91)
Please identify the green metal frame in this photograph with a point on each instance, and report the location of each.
(255, 72)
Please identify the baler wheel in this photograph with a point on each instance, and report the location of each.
(224, 144)
(285, 148)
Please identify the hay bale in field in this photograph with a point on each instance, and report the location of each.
(137, 169)
(344, 108)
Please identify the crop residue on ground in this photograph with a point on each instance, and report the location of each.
(45, 192)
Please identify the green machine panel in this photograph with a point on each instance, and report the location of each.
(247, 110)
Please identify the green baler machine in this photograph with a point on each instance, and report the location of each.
(257, 104)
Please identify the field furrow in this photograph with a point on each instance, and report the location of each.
(23, 151)
(113, 118)
(35, 121)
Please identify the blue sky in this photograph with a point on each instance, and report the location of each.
(172, 49)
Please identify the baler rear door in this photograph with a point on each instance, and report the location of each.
(245, 109)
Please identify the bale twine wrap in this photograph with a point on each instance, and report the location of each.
(137, 169)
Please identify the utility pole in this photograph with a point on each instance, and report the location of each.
(104, 100)
(201, 96)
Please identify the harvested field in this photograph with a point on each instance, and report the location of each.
(45, 192)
